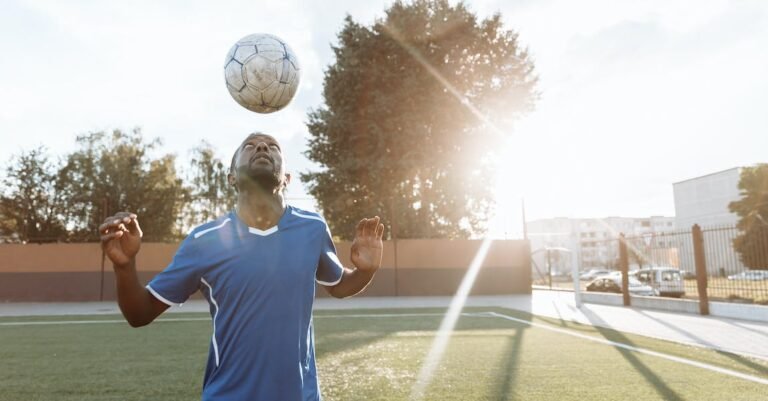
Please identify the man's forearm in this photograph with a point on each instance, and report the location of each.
(352, 282)
(134, 300)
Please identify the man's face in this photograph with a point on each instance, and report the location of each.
(260, 159)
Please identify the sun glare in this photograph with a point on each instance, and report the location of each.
(440, 342)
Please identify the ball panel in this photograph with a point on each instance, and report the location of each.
(243, 52)
(251, 39)
(259, 72)
(270, 93)
(286, 69)
(248, 97)
(230, 55)
(290, 90)
(233, 75)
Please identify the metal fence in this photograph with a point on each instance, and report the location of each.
(716, 263)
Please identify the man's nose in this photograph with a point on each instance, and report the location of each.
(262, 147)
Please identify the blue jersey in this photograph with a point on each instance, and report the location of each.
(260, 285)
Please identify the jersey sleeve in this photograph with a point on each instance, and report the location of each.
(329, 268)
(180, 279)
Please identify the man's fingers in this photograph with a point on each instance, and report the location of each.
(121, 221)
(123, 215)
(111, 236)
(134, 228)
(373, 226)
(379, 231)
(359, 228)
(110, 225)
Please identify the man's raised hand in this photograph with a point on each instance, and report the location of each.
(121, 237)
(367, 247)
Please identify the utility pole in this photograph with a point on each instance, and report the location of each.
(104, 215)
(393, 220)
(525, 225)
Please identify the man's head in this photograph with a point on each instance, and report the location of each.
(259, 160)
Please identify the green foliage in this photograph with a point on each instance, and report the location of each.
(752, 209)
(31, 204)
(211, 194)
(42, 201)
(115, 172)
(415, 107)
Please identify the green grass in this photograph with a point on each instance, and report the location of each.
(370, 358)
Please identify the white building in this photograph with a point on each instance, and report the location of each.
(592, 242)
(704, 200)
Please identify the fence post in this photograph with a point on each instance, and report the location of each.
(624, 267)
(701, 268)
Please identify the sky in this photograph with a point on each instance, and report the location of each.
(635, 95)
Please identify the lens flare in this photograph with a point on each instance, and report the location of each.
(449, 322)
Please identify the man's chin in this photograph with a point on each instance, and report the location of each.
(264, 178)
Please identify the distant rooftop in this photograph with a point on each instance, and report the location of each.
(707, 175)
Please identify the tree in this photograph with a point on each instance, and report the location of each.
(752, 209)
(415, 107)
(636, 256)
(211, 195)
(31, 204)
(114, 172)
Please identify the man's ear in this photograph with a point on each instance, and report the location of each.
(232, 180)
(287, 179)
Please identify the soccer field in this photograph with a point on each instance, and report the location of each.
(493, 354)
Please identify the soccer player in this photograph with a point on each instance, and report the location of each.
(257, 267)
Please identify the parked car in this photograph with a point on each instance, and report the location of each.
(592, 274)
(665, 281)
(612, 283)
(561, 277)
(751, 275)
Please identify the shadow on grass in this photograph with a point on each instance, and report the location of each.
(650, 376)
(333, 335)
(341, 338)
(505, 389)
(735, 357)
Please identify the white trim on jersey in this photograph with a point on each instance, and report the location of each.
(307, 216)
(263, 233)
(330, 284)
(213, 338)
(335, 258)
(207, 230)
(160, 297)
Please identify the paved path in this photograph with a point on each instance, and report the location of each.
(738, 336)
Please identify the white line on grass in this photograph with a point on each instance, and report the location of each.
(55, 322)
(677, 359)
(195, 319)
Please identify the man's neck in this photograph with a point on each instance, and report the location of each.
(260, 209)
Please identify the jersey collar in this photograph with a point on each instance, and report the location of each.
(263, 233)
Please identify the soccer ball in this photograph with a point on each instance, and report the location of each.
(262, 73)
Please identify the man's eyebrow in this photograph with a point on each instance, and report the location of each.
(269, 140)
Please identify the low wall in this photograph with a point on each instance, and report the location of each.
(73, 272)
(717, 309)
(739, 311)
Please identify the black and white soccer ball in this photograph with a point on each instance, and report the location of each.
(262, 73)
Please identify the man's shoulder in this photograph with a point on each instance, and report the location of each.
(210, 226)
(306, 217)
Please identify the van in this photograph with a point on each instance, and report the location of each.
(665, 281)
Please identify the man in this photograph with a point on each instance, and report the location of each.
(257, 267)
